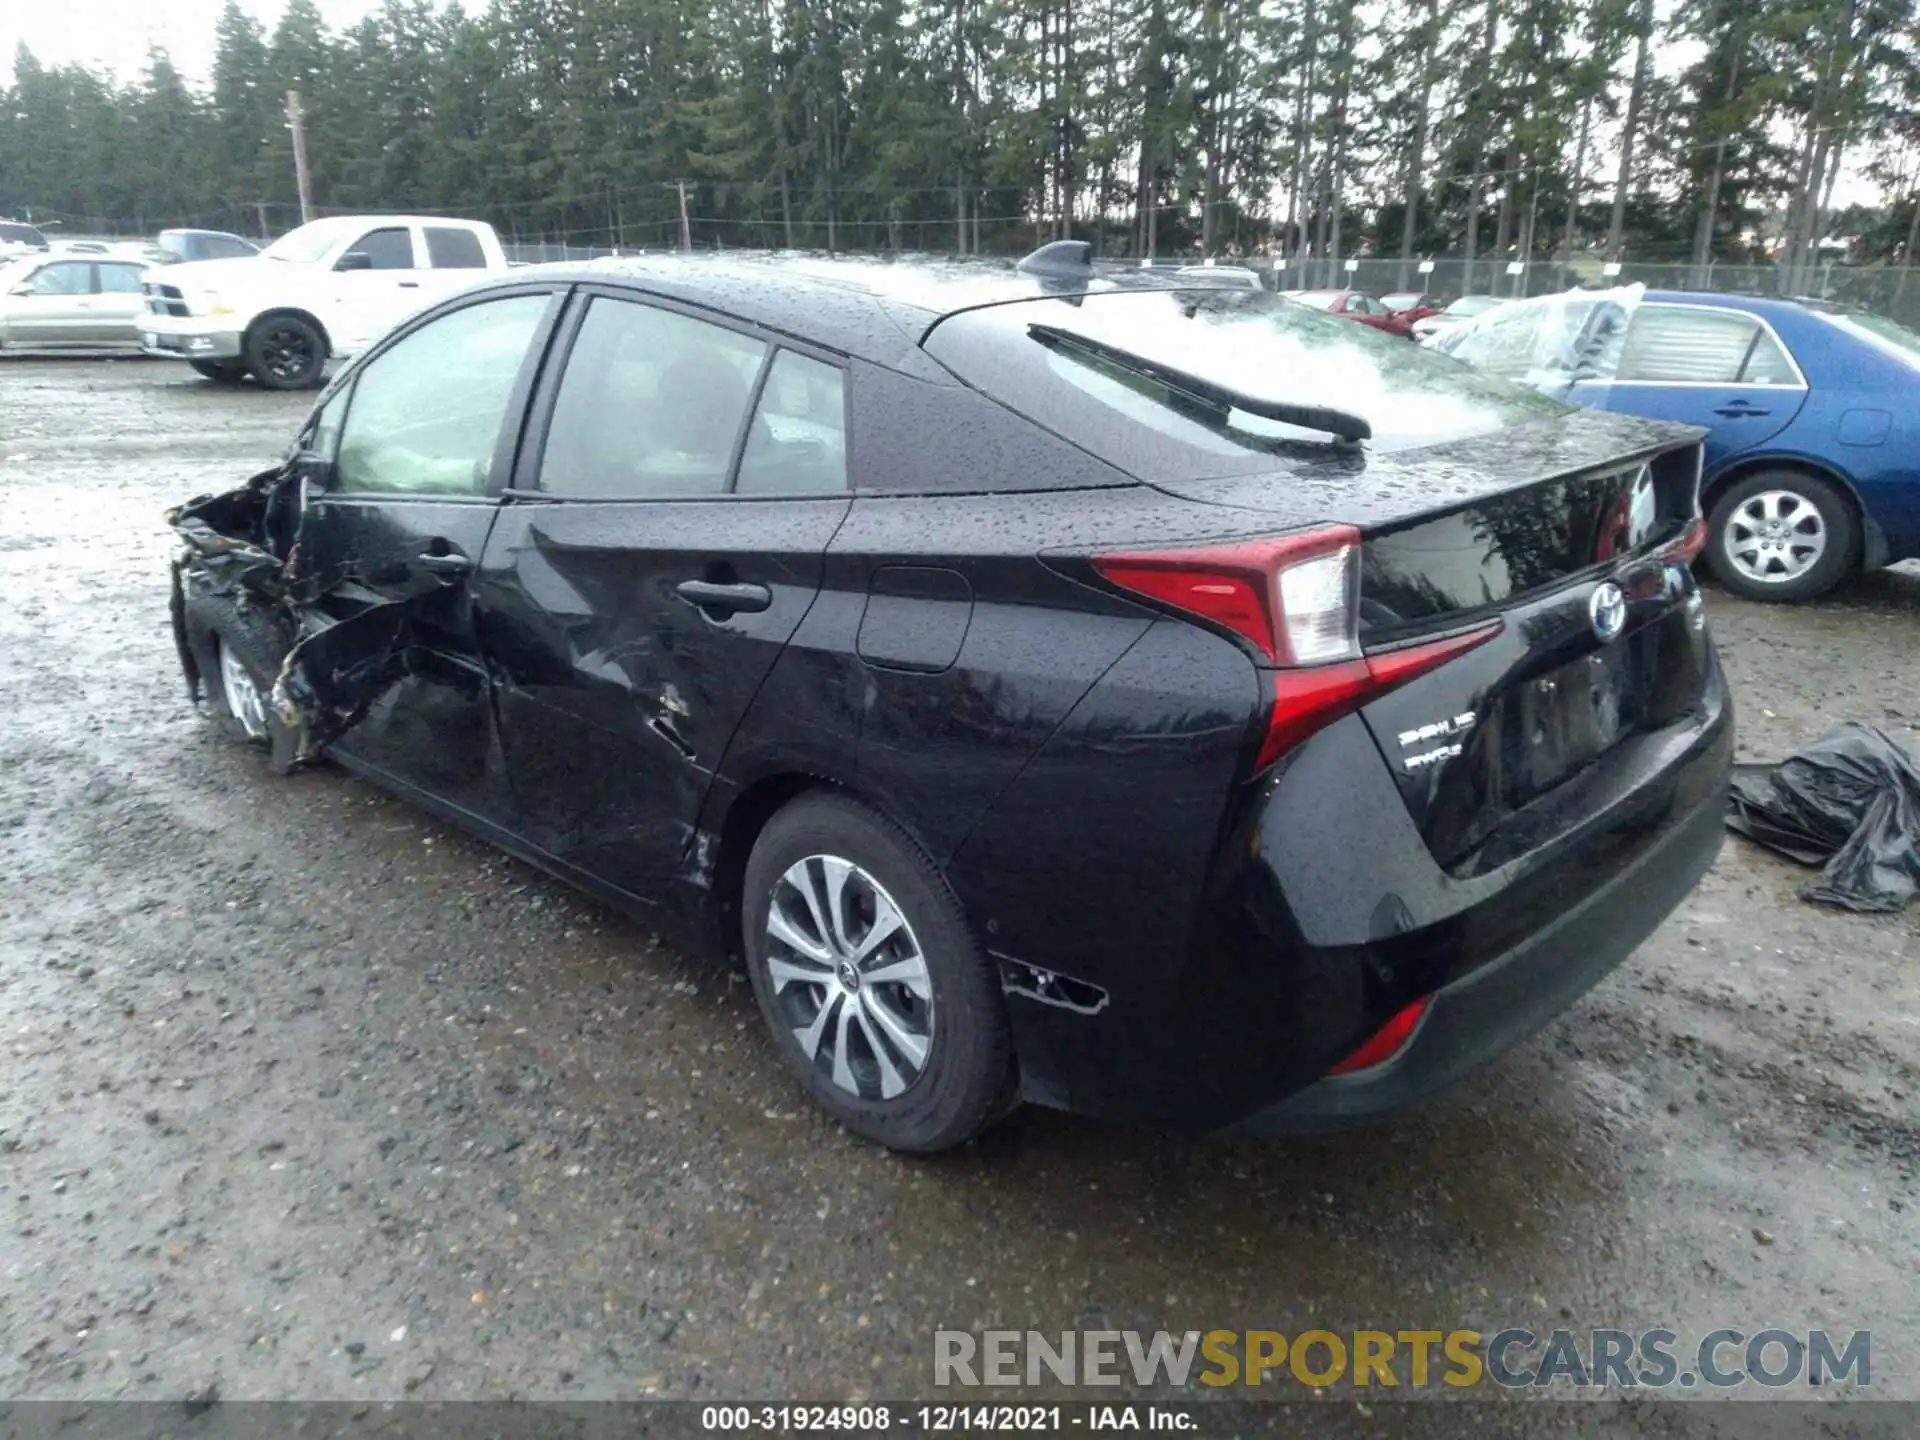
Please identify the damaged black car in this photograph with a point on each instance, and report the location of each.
(1124, 694)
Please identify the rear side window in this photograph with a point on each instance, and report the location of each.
(1247, 340)
(1668, 345)
(119, 279)
(1768, 363)
(390, 249)
(798, 442)
(651, 405)
(451, 249)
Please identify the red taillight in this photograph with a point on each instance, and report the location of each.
(1292, 596)
(1386, 1042)
(1308, 700)
(1692, 541)
(1296, 599)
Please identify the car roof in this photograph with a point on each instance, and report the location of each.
(1726, 300)
(874, 308)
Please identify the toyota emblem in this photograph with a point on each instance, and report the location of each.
(1608, 611)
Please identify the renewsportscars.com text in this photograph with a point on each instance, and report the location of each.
(1511, 1358)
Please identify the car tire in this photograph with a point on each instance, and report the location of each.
(224, 372)
(238, 652)
(917, 1073)
(1783, 536)
(285, 352)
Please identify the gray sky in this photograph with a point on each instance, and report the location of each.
(114, 34)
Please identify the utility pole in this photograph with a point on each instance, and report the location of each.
(686, 231)
(296, 121)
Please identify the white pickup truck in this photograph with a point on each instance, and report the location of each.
(324, 291)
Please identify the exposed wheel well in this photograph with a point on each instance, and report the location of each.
(1710, 493)
(293, 313)
(745, 819)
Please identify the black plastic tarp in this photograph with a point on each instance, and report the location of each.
(1850, 803)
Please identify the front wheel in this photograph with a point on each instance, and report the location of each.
(1781, 535)
(239, 652)
(880, 1000)
(285, 352)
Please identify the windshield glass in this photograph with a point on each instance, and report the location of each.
(1319, 299)
(305, 245)
(1402, 302)
(1248, 342)
(1883, 334)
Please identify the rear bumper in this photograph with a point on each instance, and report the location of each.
(1324, 914)
(173, 338)
(1502, 1002)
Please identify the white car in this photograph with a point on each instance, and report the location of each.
(68, 301)
(1465, 308)
(1233, 277)
(324, 291)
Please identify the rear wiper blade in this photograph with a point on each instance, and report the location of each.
(1342, 423)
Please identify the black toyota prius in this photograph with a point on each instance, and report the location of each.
(1121, 693)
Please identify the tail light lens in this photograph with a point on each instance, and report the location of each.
(1296, 600)
(1386, 1042)
(1692, 542)
(1294, 597)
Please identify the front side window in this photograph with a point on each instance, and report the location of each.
(798, 442)
(71, 277)
(119, 279)
(1669, 345)
(389, 249)
(426, 413)
(650, 407)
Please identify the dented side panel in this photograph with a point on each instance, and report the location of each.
(617, 695)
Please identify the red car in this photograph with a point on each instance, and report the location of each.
(1413, 305)
(1355, 306)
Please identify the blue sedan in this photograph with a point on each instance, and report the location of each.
(1812, 411)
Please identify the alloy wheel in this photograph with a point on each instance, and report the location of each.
(849, 977)
(1775, 536)
(243, 696)
(288, 352)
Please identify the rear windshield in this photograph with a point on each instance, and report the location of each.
(1249, 341)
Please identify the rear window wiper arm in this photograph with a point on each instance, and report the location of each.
(1324, 418)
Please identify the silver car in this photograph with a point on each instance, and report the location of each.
(71, 302)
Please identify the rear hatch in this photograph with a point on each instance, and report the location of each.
(1541, 684)
(1498, 583)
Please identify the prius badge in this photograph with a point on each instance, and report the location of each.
(1608, 610)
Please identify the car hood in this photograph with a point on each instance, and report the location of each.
(202, 275)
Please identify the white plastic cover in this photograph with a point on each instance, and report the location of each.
(1550, 342)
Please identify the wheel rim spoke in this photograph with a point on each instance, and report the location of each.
(842, 1063)
(913, 1047)
(891, 1082)
(809, 1034)
(909, 971)
(804, 946)
(886, 924)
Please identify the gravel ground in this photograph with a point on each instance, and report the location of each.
(303, 1095)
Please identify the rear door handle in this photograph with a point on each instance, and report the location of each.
(1739, 410)
(409, 284)
(709, 595)
(452, 565)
